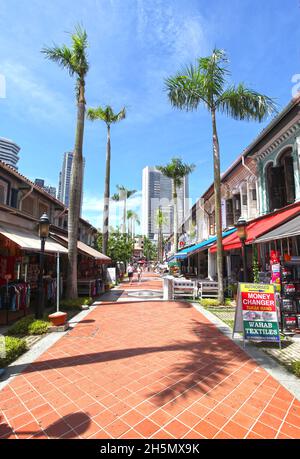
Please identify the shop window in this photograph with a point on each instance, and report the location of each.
(14, 198)
(253, 194)
(2, 194)
(281, 182)
(244, 199)
(229, 212)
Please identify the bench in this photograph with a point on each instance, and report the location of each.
(184, 287)
(208, 289)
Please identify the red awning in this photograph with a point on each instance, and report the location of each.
(260, 226)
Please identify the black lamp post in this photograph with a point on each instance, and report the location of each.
(241, 227)
(44, 225)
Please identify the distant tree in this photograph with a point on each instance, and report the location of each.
(122, 195)
(120, 247)
(176, 170)
(150, 249)
(132, 218)
(107, 115)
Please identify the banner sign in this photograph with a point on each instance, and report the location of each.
(256, 313)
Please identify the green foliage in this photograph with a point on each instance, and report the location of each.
(38, 327)
(209, 302)
(106, 114)
(176, 170)
(28, 326)
(150, 249)
(120, 246)
(74, 304)
(14, 347)
(295, 366)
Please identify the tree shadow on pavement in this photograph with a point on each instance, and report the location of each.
(71, 426)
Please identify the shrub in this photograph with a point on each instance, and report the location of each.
(28, 326)
(14, 347)
(38, 327)
(296, 368)
(21, 326)
(67, 305)
(209, 302)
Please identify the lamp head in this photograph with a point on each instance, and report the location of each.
(44, 225)
(241, 226)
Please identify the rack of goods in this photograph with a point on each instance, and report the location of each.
(290, 296)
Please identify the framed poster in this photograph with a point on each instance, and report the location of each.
(256, 314)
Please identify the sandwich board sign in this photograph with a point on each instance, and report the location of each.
(256, 313)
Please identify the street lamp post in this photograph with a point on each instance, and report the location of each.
(43, 234)
(241, 227)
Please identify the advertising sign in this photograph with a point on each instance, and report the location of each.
(111, 275)
(256, 313)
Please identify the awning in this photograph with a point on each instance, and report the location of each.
(259, 227)
(27, 240)
(84, 249)
(289, 229)
(185, 253)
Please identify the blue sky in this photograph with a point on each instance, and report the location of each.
(133, 46)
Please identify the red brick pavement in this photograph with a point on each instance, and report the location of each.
(146, 370)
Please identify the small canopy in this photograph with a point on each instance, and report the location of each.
(27, 240)
(187, 252)
(260, 226)
(289, 229)
(85, 249)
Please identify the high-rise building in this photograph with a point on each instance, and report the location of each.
(65, 179)
(49, 189)
(9, 152)
(157, 192)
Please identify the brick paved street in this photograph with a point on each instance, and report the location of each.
(140, 369)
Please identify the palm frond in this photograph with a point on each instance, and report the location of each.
(61, 55)
(106, 114)
(242, 103)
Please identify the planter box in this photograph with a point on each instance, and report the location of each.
(58, 318)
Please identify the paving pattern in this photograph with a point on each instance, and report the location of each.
(138, 369)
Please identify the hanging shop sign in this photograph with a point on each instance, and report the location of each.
(256, 313)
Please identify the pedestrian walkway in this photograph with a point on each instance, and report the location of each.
(138, 369)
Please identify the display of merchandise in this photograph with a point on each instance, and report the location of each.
(89, 287)
(290, 296)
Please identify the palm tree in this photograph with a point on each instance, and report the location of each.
(122, 195)
(160, 221)
(74, 59)
(176, 170)
(107, 115)
(132, 218)
(205, 83)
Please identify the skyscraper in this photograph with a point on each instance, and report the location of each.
(65, 179)
(49, 189)
(157, 191)
(9, 152)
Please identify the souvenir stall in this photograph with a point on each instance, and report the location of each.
(19, 271)
(90, 277)
(279, 263)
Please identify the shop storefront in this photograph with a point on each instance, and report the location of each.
(278, 253)
(19, 271)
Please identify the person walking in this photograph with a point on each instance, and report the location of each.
(139, 273)
(130, 273)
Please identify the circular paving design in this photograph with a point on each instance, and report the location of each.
(145, 294)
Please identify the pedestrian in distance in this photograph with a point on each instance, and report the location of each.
(139, 273)
(130, 273)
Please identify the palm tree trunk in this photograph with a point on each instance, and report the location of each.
(124, 216)
(75, 197)
(175, 219)
(106, 196)
(218, 214)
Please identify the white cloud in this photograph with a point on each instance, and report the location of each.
(26, 94)
(92, 209)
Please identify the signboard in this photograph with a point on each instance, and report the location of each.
(111, 275)
(256, 313)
